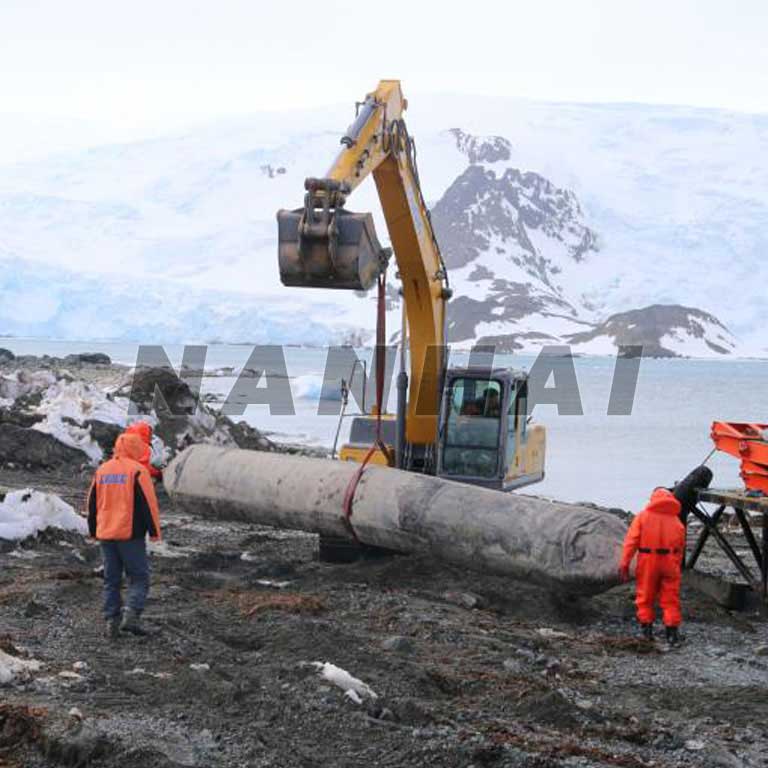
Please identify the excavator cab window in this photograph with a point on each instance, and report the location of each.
(472, 428)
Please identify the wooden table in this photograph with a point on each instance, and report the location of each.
(740, 503)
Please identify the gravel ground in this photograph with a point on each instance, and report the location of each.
(466, 670)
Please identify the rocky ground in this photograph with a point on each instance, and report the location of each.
(452, 668)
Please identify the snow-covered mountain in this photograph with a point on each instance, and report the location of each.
(505, 237)
(661, 331)
(590, 225)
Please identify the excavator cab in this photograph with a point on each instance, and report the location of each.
(485, 437)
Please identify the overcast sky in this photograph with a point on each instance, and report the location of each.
(143, 65)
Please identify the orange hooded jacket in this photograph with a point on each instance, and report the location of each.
(121, 502)
(658, 536)
(144, 431)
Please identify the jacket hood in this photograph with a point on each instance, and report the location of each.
(663, 502)
(142, 429)
(129, 446)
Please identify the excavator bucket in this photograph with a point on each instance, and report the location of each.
(325, 246)
(337, 249)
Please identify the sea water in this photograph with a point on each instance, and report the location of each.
(607, 459)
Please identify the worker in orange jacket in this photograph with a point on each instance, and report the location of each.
(122, 510)
(144, 431)
(658, 538)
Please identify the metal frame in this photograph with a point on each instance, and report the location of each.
(740, 503)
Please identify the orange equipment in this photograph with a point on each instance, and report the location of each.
(658, 536)
(748, 442)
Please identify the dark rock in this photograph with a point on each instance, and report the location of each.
(399, 644)
(82, 745)
(160, 390)
(28, 402)
(411, 712)
(37, 449)
(549, 707)
(88, 358)
(19, 418)
(250, 438)
(33, 608)
(172, 400)
(6, 356)
(104, 434)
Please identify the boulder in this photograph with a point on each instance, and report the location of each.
(168, 396)
(142, 386)
(19, 418)
(23, 446)
(248, 437)
(104, 434)
(88, 358)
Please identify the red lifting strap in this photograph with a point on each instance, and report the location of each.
(381, 364)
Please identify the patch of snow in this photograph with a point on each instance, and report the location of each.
(354, 696)
(273, 584)
(13, 668)
(353, 687)
(164, 549)
(682, 342)
(552, 634)
(68, 674)
(24, 554)
(22, 382)
(65, 402)
(27, 512)
(66, 405)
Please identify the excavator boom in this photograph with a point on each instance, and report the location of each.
(324, 245)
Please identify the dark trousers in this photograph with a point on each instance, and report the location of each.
(129, 557)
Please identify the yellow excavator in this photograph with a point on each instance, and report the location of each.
(466, 424)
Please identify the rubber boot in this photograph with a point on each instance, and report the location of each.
(112, 630)
(132, 622)
(647, 632)
(673, 636)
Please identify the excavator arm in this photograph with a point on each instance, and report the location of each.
(324, 245)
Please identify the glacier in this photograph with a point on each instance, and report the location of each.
(173, 239)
